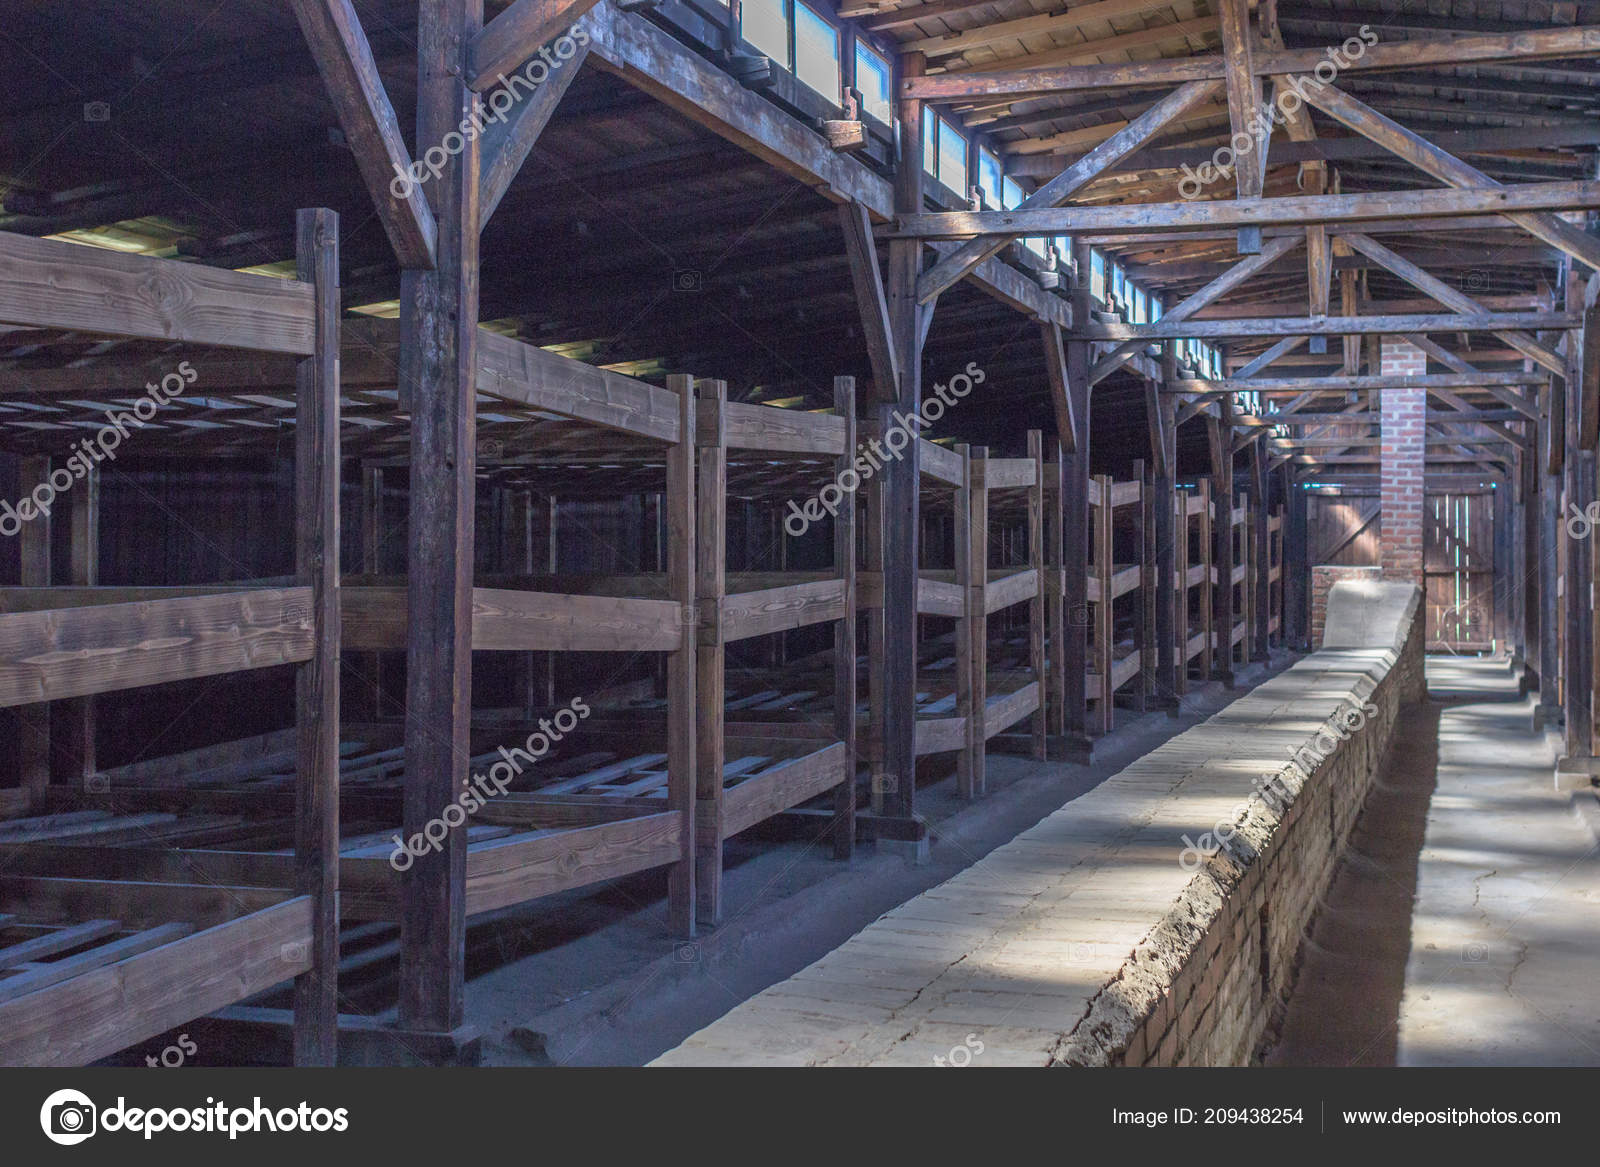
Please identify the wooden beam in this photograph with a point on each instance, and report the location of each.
(963, 260)
(1353, 384)
(1519, 46)
(1244, 104)
(316, 847)
(508, 142)
(1193, 303)
(344, 58)
(438, 376)
(1515, 202)
(1424, 155)
(517, 34)
(1455, 300)
(1055, 371)
(867, 278)
(1327, 326)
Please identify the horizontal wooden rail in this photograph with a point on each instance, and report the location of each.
(48, 283)
(520, 621)
(58, 653)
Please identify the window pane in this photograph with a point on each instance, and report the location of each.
(1140, 306)
(1010, 194)
(952, 158)
(930, 153)
(816, 52)
(765, 26)
(990, 178)
(872, 78)
(1097, 275)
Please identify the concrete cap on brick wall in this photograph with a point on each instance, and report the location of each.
(1368, 613)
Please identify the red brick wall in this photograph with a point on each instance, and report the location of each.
(1404, 447)
(1323, 577)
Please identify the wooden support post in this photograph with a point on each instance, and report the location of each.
(902, 478)
(1261, 606)
(1170, 542)
(1075, 518)
(711, 585)
(977, 619)
(1224, 556)
(683, 713)
(1104, 624)
(33, 555)
(1057, 604)
(961, 552)
(1578, 668)
(1296, 568)
(77, 749)
(1208, 589)
(1036, 604)
(1145, 617)
(1551, 532)
(438, 376)
(844, 630)
(876, 702)
(371, 664)
(316, 460)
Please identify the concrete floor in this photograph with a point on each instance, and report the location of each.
(1463, 929)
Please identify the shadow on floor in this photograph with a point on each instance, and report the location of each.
(1345, 1007)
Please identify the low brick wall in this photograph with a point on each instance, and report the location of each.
(1324, 577)
(1116, 931)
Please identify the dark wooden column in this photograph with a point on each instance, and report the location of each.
(1075, 533)
(1163, 428)
(439, 324)
(1261, 609)
(1551, 456)
(316, 475)
(901, 479)
(1222, 549)
(76, 752)
(33, 555)
(1578, 668)
(1296, 568)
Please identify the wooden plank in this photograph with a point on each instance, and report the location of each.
(344, 58)
(786, 431)
(317, 480)
(47, 283)
(1486, 197)
(788, 784)
(938, 598)
(939, 735)
(1352, 384)
(742, 615)
(509, 620)
(1009, 589)
(1329, 326)
(977, 620)
(1244, 101)
(941, 463)
(1004, 712)
(517, 34)
(1036, 608)
(520, 868)
(60, 940)
(46, 656)
(515, 371)
(107, 1009)
(711, 533)
(963, 260)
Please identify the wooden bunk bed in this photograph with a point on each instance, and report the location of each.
(1114, 664)
(107, 937)
(1196, 577)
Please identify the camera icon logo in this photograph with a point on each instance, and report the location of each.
(68, 1117)
(96, 111)
(687, 279)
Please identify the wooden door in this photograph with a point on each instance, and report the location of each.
(1458, 571)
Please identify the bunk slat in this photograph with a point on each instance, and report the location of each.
(48, 283)
(785, 431)
(519, 372)
(76, 652)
